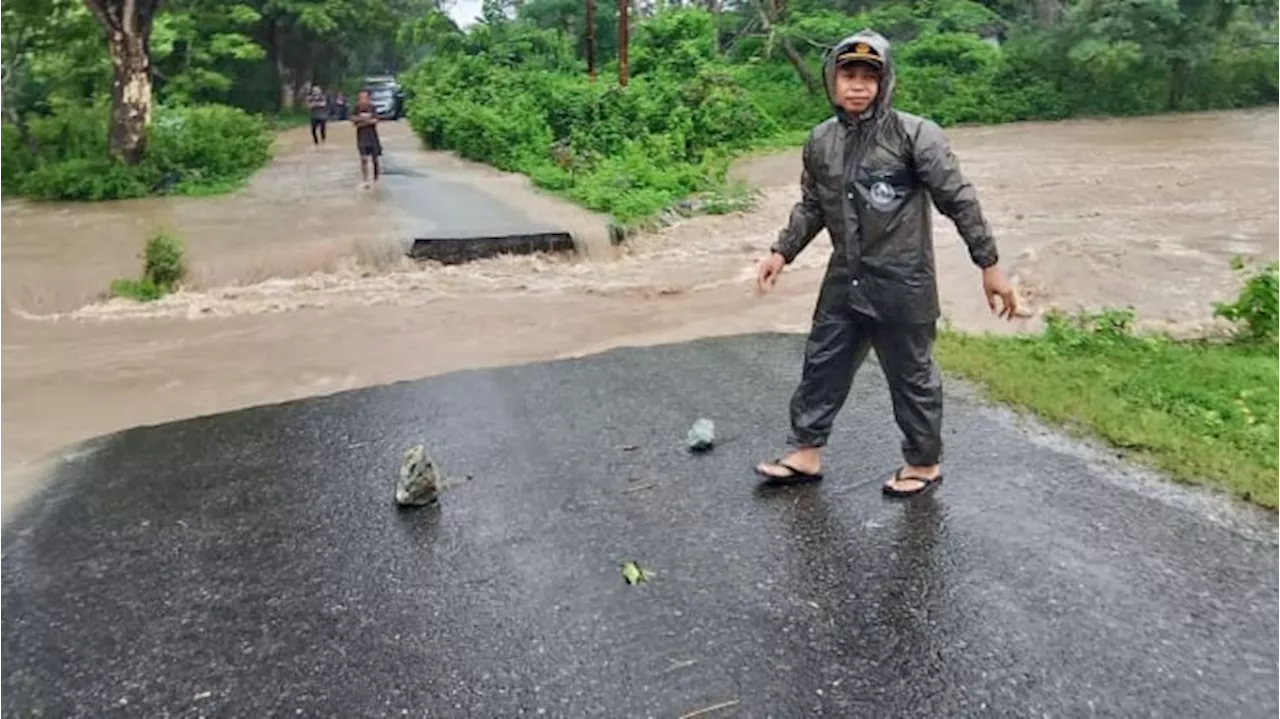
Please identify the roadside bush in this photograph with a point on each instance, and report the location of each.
(162, 260)
(72, 132)
(678, 43)
(83, 178)
(625, 151)
(163, 268)
(16, 158)
(208, 143)
(189, 149)
(949, 77)
(1256, 311)
(1239, 73)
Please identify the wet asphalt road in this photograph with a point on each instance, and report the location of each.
(431, 206)
(253, 564)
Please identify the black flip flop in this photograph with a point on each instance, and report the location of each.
(928, 483)
(796, 476)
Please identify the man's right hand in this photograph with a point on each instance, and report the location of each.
(768, 271)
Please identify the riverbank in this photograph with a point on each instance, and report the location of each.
(1202, 412)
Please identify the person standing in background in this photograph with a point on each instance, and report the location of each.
(365, 118)
(319, 107)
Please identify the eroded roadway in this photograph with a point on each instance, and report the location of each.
(253, 564)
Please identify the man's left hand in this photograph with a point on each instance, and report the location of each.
(996, 284)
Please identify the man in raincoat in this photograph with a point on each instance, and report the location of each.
(869, 175)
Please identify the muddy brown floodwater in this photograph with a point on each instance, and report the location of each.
(297, 286)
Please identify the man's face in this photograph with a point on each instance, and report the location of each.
(857, 85)
(363, 97)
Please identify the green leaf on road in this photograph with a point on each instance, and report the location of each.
(634, 573)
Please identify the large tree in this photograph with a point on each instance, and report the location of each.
(127, 26)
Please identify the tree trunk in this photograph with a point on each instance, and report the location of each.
(275, 53)
(10, 78)
(1047, 13)
(287, 97)
(24, 131)
(797, 61)
(130, 96)
(769, 14)
(10, 109)
(624, 12)
(589, 24)
(127, 24)
(1179, 76)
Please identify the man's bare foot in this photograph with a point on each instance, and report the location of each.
(913, 479)
(799, 464)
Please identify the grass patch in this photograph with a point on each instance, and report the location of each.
(143, 290)
(1204, 412)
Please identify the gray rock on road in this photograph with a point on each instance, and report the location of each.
(420, 481)
(702, 436)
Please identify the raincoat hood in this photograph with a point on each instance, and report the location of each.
(884, 99)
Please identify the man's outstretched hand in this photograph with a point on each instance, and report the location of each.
(768, 270)
(996, 284)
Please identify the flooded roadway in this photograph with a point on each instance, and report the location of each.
(297, 287)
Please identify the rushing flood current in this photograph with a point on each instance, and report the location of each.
(298, 285)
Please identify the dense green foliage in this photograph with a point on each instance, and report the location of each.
(513, 92)
(514, 97)
(216, 68)
(197, 148)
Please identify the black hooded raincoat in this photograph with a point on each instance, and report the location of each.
(868, 181)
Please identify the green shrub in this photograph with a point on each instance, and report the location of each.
(87, 179)
(677, 43)
(162, 260)
(625, 151)
(71, 132)
(1256, 311)
(189, 149)
(16, 161)
(163, 268)
(208, 143)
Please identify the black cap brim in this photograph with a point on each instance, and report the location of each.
(853, 58)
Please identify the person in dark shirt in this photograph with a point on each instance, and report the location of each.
(365, 118)
(319, 107)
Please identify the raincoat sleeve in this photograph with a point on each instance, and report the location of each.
(952, 193)
(806, 216)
